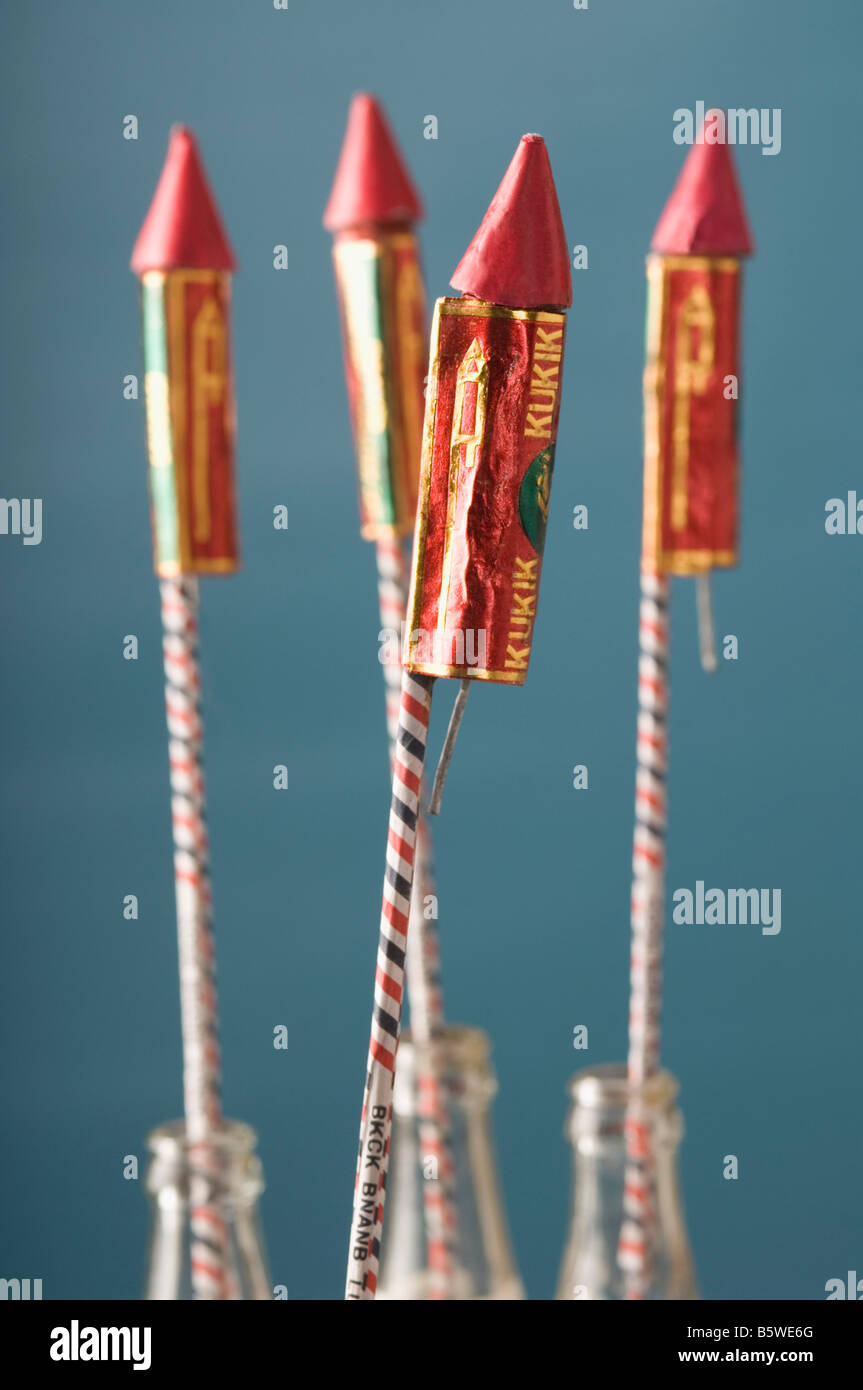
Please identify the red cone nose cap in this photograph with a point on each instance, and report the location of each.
(183, 229)
(519, 255)
(705, 215)
(372, 183)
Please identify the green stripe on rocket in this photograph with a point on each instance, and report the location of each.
(161, 472)
(363, 291)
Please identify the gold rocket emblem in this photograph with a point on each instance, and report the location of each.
(691, 375)
(468, 428)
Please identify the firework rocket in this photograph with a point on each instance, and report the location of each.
(488, 441)
(691, 388)
(184, 262)
(371, 211)
(490, 428)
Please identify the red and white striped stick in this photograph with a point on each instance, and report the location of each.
(647, 913)
(393, 582)
(198, 1002)
(425, 995)
(376, 1119)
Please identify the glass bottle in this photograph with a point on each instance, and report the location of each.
(169, 1271)
(601, 1097)
(483, 1266)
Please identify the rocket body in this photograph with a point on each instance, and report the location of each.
(382, 306)
(190, 420)
(691, 390)
(488, 455)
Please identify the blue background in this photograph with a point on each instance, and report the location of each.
(534, 877)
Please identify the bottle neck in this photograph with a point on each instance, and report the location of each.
(604, 1102)
(171, 1163)
(445, 1231)
(627, 1229)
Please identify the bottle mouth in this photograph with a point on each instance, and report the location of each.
(459, 1056)
(457, 1046)
(240, 1176)
(234, 1139)
(607, 1087)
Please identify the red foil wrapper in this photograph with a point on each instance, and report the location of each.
(691, 383)
(488, 452)
(190, 420)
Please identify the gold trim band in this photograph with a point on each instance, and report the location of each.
(727, 264)
(481, 309)
(465, 672)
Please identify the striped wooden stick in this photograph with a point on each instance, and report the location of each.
(393, 580)
(198, 1002)
(376, 1118)
(426, 1006)
(647, 913)
(425, 991)
(425, 995)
